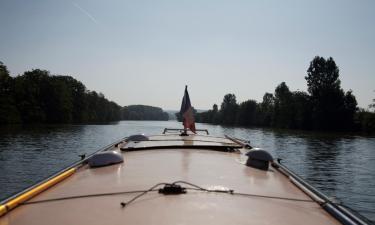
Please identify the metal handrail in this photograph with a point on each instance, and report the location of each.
(336, 210)
(182, 130)
(74, 165)
(243, 143)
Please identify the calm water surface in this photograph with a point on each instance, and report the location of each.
(342, 166)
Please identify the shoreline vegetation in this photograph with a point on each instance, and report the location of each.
(325, 107)
(38, 97)
(143, 112)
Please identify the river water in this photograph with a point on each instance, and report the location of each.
(341, 166)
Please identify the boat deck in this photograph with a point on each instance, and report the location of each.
(259, 197)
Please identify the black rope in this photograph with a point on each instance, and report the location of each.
(82, 196)
(241, 194)
(153, 188)
(123, 204)
(193, 185)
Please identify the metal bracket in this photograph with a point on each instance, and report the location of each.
(182, 130)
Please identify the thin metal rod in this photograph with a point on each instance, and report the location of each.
(344, 216)
(183, 130)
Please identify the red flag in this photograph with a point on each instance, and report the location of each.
(187, 112)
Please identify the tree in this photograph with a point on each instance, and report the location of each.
(77, 92)
(215, 108)
(30, 93)
(372, 105)
(215, 117)
(322, 76)
(246, 115)
(283, 115)
(228, 109)
(330, 111)
(8, 111)
(143, 112)
(4, 79)
(57, 100)
(302, 110)
(265, 110)
(366, 121)
(39, 97)
(210, 116)
(350, 108)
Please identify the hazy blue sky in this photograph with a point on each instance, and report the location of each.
(144, 52)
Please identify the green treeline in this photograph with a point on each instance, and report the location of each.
(326, 106)
(143, 112)
(36, 96)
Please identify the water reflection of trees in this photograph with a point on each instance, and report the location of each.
(322, 167)
(313, 156)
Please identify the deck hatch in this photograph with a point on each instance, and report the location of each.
(175, 141)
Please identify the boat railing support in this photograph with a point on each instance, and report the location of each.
(166, 130)
(336, 210)
(8, 204)
(243, 143)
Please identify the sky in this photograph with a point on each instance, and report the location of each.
(145, 52)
